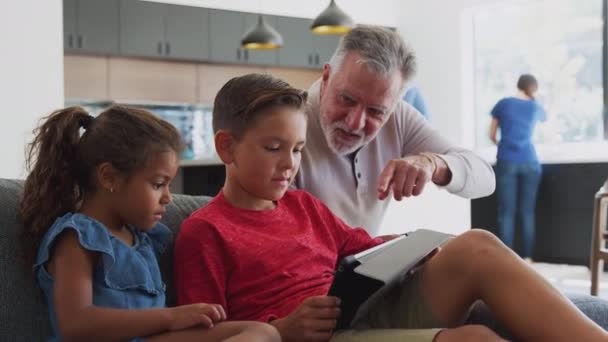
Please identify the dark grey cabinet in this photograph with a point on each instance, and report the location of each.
(225, 33)
(187, 33)
(142, 28)
(158, 30)
(91, 26)
(227, 28)
(259, 57)
(166, 31)
(324, 47)
(301, 47)
(297, 50)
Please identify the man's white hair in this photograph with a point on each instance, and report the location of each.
(383, 51)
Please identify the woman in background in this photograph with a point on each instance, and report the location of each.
(518, 171)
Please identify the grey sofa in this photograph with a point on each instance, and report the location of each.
(23, 313)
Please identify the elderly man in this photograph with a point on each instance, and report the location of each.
(365, 144)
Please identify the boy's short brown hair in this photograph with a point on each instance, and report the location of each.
(243, 98)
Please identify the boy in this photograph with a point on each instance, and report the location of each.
(267, 253)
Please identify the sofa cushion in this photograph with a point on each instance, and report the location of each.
(23, 312)
(181, 207)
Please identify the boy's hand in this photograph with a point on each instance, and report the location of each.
(186, 316)
(313, 320)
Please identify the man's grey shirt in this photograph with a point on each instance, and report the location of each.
(348, 184)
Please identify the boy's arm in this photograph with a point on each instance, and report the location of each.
(200, 265)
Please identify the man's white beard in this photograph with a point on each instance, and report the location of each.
(338, 147)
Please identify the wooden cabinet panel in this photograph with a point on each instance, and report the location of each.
(85, 77)
(297, 78)
(212, 77)
(144, 80)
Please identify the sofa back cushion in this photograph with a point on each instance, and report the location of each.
(23, 312)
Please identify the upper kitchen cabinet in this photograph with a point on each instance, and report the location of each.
(227, 28)
(91, 26)
(158, 30)
(225, 33)
(324, 47)
(142, 26)
(259, 57)
(297, 50)
(187, 33)
(301, 47)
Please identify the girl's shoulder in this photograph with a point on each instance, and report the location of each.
(92, 235)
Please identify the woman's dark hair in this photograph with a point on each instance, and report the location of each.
(243, 98)
(528, 84)
(62, 162)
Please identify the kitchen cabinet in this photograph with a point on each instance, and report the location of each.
(301, 47)
(155, 30)
(324, 47)
(91, 26)
(225, 32)
(297, 50)
(187, 33)
(259, 57)
(167, 31)
(227, 28)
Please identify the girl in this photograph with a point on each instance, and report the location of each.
(518, 171)
(91, 208)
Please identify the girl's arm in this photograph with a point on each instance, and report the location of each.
(77, 317)
(493, 129)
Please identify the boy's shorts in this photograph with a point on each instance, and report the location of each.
(401, 315)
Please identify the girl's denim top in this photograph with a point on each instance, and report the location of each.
(125, 277)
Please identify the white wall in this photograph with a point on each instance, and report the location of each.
(439, 32)
(31, 74)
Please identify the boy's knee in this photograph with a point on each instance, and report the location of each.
(481, 244)
(472, 333)
(476, 250)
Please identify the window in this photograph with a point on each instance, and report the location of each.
(558, 41)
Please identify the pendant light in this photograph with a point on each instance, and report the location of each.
(262, 37)
(332, 21)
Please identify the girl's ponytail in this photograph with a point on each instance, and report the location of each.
(53, 186)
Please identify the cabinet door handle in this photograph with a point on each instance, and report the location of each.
(160, 48)
(70, 41)
(317, 59)
(79, 41)
(238, 54)
(167, 48)
(309, 58)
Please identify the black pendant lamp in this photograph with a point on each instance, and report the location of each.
(262, 37)
(332, 21)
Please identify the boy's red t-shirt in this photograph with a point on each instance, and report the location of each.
(260, 265)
